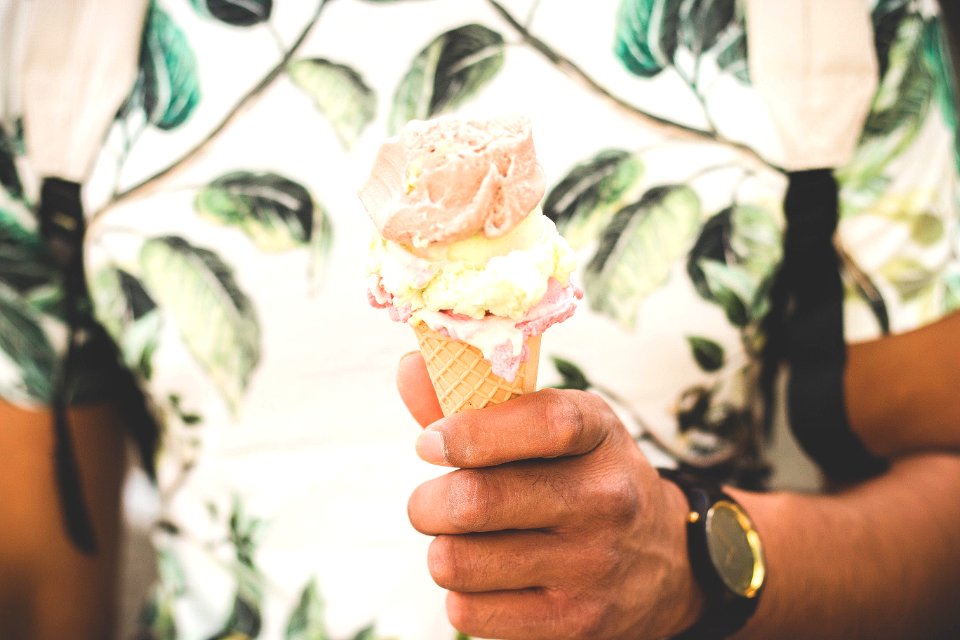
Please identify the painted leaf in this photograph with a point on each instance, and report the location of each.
(320, 245)
(756, 239)
(245, 621)
(238, 13)
(708, 354)
(926, 229)
(119, 298)
(713, 243)
(168, 86)
(24, 263)
(702, 21)
(216, 319)
(583, 202)
(886, 17)
(306, 621)
(338, 92)
(24, 342)
(646, 35)
(9, 176)
(367, 633)
(952, 294)
(860, 284)
(639, 248)
(573, 377)
(908, 276)
(129, 315)
(731, 51)
(896, 116)
(157, 620)
(275, 212)
(453, 67)
(936, 55)
(906, 88)
(732, 288)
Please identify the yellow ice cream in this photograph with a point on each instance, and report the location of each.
(503, 276)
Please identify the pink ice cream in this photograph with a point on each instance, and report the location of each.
(462, 245)
(446, 179)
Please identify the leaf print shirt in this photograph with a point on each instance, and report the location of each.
(226, 245)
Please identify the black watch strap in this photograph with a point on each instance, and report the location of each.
(725, 611)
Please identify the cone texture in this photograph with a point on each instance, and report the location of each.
(463, 379)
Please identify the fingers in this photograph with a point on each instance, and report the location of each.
(528, 614)
(495, 561)
(416, 390)
(518, 496)
(546, 424)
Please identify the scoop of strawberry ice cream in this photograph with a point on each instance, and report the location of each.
(447, 179)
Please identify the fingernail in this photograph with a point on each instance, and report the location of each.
(430, 447)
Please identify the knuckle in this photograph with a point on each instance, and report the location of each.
(565, 420)
(443, 563)
(617, 498)
(416, 514)
(471, 500)
(459, 611)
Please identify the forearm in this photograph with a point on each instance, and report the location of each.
(881, 560)
(899, 401)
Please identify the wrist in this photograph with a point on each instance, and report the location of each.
(688, 604)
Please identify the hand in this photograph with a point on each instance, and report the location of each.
(554, 525)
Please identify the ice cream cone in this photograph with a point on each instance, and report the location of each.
(462, 377)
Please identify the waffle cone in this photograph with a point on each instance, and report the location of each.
(462, 377)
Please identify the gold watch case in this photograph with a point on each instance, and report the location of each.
(734, 547)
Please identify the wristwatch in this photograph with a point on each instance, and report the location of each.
(726, 557)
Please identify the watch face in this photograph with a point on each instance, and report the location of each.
(734, 548)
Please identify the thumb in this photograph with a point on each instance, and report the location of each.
(416, 390)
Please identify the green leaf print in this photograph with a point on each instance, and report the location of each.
(926, 229)
(701, 22)
(168, 87)
(646, 35)
(756, 239)
(119, 298)
(320, 244)
(367, 633)
(275, 212)
(908, 276)
(24, 342)
(886, 17)
(708, 354)
(237, 13)
(245, 620)
(732, 54)
(24, 263)
(936, 56)
(306, 621)
(951, 300)
(897, 114)
(9, 176)
(216, 319)
(573, 377)
(129, 314)
(731, 287)
(639, 248)
(713, 243)
(338, 92)
(452, 68)
(583, 202)
(906, 89)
